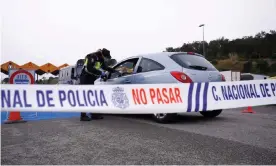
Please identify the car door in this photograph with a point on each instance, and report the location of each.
(127, 68)
(150, 72)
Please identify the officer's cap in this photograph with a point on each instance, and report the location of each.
(106, 53)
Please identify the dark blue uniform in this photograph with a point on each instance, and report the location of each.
(94, 67)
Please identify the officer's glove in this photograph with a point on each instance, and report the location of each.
(103, 74)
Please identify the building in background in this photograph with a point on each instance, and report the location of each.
(231, 75)
(47, 68)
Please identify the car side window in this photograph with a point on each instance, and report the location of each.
(147, 65)
(126, 68)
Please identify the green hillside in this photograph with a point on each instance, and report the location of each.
(254, 54)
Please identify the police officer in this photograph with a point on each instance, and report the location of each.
(95, 65)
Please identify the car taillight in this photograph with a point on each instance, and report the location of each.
(222, 77)
(182, 77)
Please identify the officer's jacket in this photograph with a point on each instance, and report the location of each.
(94, 65)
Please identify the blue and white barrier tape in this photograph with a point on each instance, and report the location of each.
(138, 99)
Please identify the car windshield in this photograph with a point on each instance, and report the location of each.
(194, 62)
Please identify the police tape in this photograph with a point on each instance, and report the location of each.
(138, 98)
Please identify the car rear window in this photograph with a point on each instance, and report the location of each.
(194, 62)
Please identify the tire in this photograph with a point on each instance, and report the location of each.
(164, 118)
(211, 114)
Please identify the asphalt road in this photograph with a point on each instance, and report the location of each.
(231, 138)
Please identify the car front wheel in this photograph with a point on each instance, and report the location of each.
(164, 118)
(211, 114)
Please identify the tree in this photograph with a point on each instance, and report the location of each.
(262, 45)
(247, 67)
(262, 66)
(170, 49)
(249, 49)
(273, 69)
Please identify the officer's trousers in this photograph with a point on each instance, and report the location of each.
(86, 79)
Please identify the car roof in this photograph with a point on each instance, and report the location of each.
(157, 56)
(151, 55)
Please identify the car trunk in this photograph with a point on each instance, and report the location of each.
(203, 76)
(197, 67)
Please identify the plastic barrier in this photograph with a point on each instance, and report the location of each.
(138, 98)
(19, 76)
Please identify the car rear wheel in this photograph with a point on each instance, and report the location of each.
(211, 114)
(164, 118)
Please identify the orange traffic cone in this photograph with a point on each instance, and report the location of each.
(248, 110)
(14, 117)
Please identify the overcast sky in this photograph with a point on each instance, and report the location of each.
(63, 31)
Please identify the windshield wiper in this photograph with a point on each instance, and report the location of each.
(198, 67)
